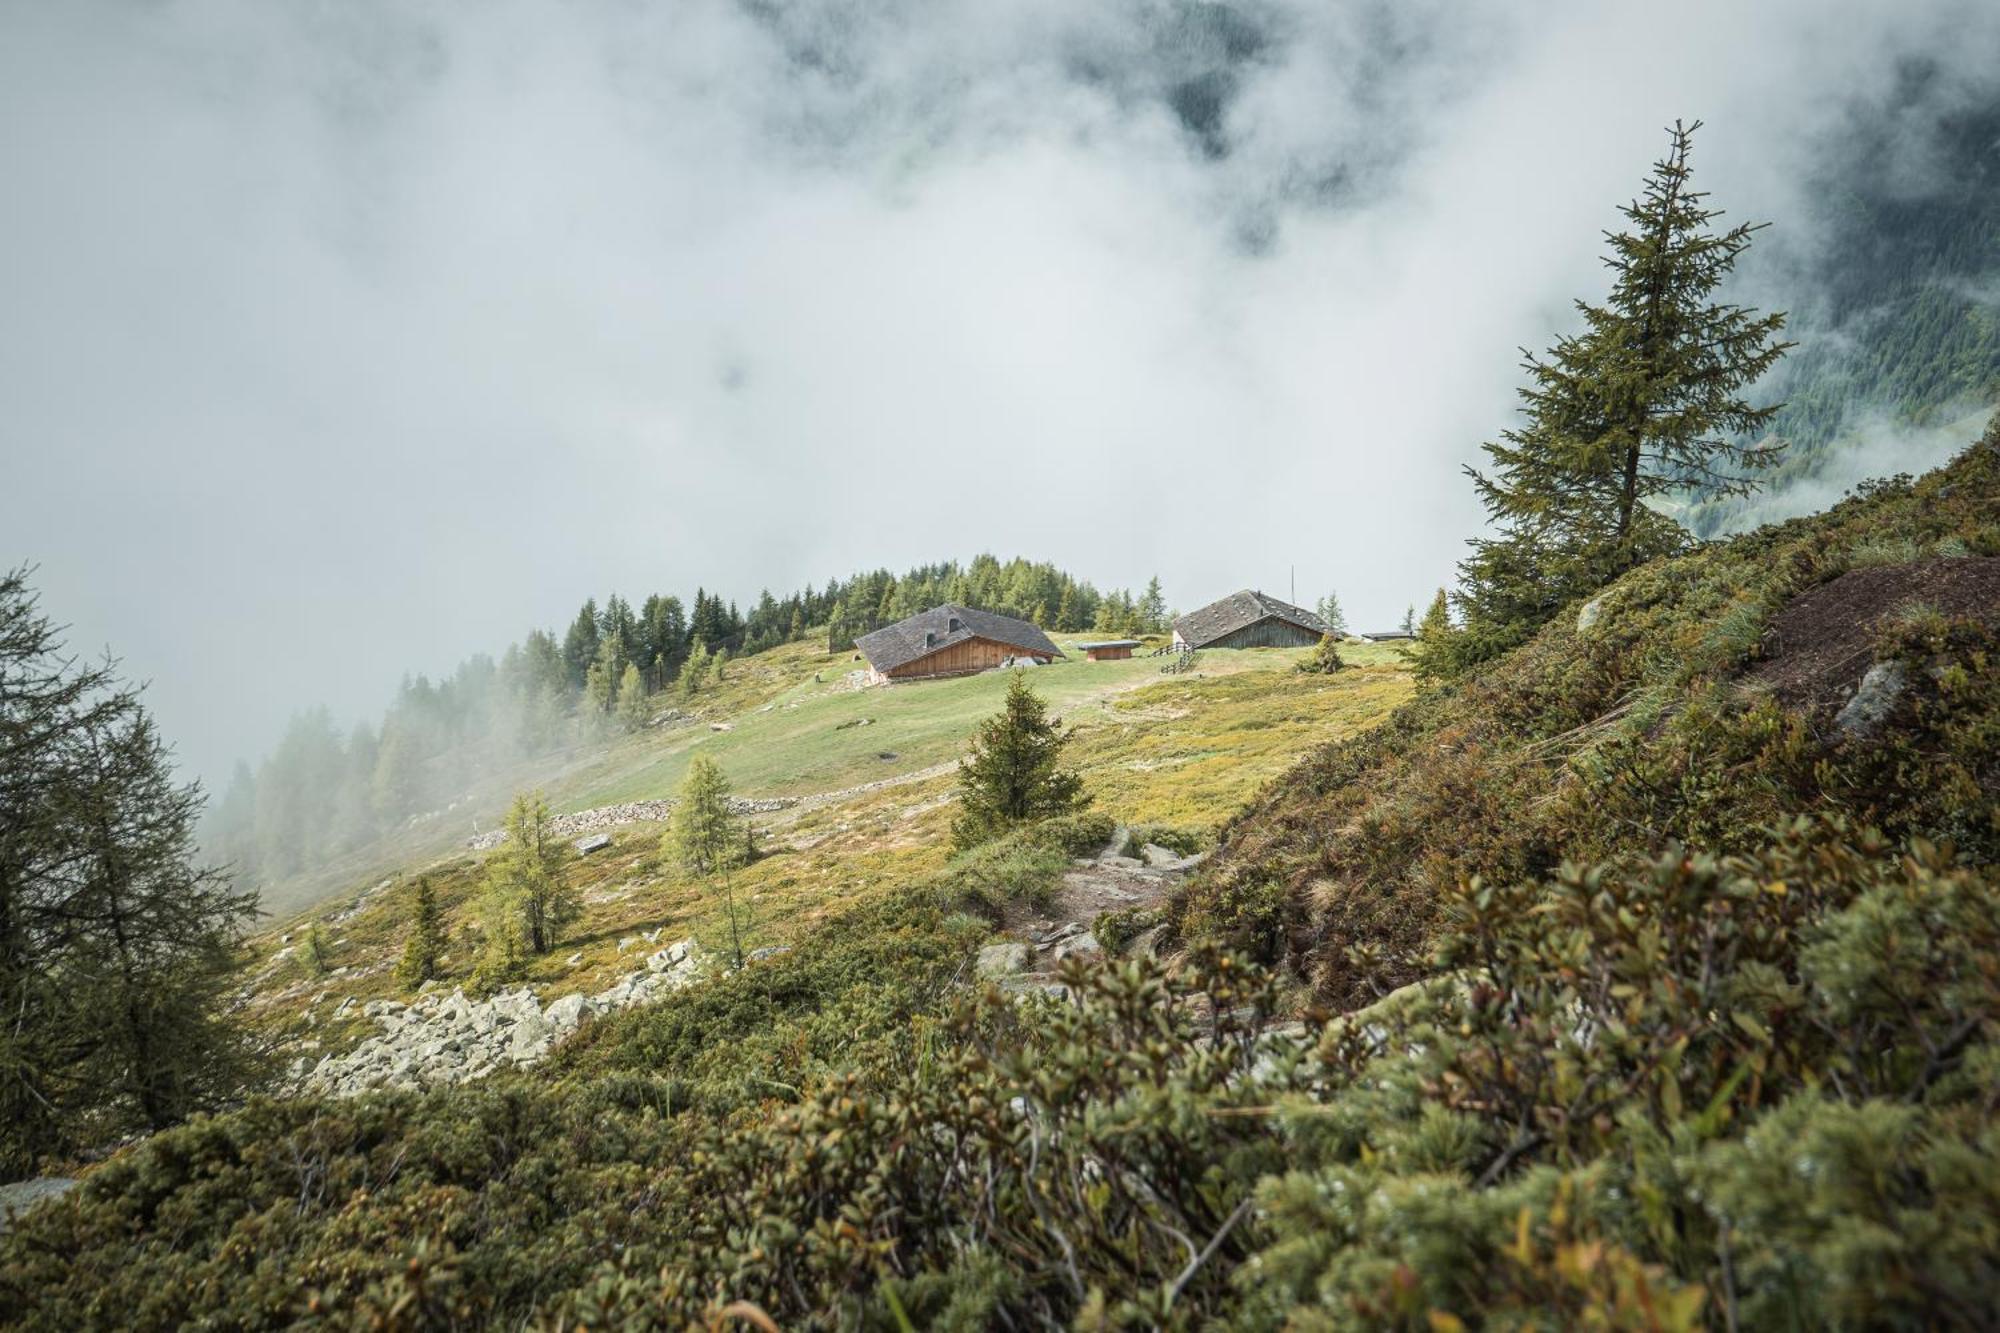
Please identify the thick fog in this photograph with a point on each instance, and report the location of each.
(340, 339)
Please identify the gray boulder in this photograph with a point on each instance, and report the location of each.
(1081, 945)
(22, 1195)
(1002, 959)
(1874, 700)
(567, 1012)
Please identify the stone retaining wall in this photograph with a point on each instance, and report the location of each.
(631, 812)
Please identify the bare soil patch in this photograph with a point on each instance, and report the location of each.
(1818, 648)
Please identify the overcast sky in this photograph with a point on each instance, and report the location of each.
(339, 339)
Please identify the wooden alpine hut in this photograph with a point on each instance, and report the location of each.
(1108, 650)
(952, 641)
(1248, 620)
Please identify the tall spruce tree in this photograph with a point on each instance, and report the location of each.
(1330, 612)
(423, 951)
(1646, 400)
(704, 838)
(1153, 608)
(580, 644)
(116, 947)
(1014, 775)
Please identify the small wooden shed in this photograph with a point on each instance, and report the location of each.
(1108, 650)
(1248, 620)
(952, 641)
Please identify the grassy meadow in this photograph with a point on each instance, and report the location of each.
(1187, 749)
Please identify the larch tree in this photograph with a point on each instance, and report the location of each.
(694, 671)
(116, 947)
(1645, 401)
(632, 698)
(703, 837)
(529, 899)
(1014, 774)
(1330, 612)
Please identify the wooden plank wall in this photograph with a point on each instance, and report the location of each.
(957, 660)
(1268, 634)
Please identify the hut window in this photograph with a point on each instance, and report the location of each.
(952, 626)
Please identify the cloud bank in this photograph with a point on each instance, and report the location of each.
(346, 339)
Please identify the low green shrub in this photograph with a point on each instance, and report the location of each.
(1023, 866)
(1708, 1092)
(1116, 930)
(1178, 839)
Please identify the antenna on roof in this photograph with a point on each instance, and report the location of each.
(1295, 585)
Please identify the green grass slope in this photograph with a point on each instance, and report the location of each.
(1184, 750)
(796, 728)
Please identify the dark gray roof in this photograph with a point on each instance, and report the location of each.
(927, 631)
(1109, 643)
(1237, 611)
(1384, 635)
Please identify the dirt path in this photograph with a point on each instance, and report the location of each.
(1033, 945)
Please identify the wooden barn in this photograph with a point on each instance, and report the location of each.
(1248, 620)
(1108, 650)
(952, 641)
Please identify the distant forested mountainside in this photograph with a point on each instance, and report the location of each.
(322, 793)
(1896, 310)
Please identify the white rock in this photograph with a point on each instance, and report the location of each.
(1083, 945)
(567, 1012)
(1001, 959)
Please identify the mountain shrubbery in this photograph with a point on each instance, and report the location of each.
(1594, 1115)
(1678, 713)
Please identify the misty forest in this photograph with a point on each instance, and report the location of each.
(1434, 763)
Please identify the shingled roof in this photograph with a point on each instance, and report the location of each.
(1237, 611)
(927, 631)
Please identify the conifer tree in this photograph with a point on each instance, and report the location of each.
(632, 698)
(1014, 775)
(116, 947)
(313, 951)
(1325, 659)
(602, 678)
(1068, 619)
(1330, 612)
(529, 900)
(1434, 655)
(1646, 400)
(694, 671)
(1152, 608)
(703, 837)
(580, 644)
(424, 949)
